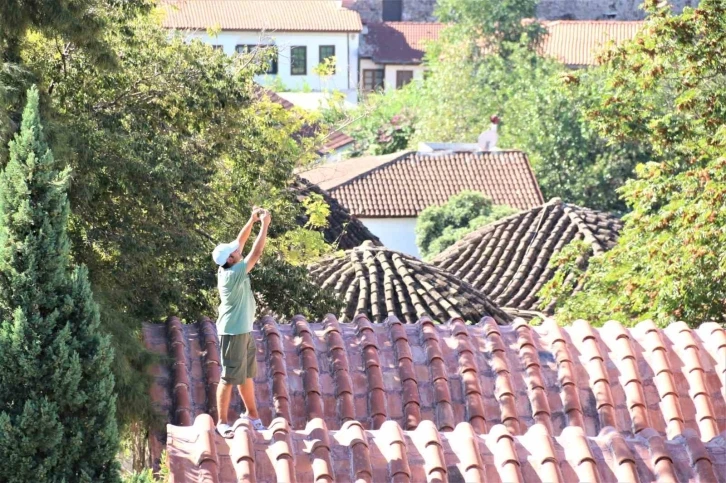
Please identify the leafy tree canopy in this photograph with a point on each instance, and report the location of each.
(57, 402)
(169, 150)
(666, 89)
(542, 105)
(439, 227)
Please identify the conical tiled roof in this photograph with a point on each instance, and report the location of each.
(380, 282)
(343, 230)
(508, 259)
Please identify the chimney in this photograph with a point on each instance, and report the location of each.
(488, 139)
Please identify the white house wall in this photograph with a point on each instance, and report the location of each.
(346, 75)
(390, 70)
(395, 233)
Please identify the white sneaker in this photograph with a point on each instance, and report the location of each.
(257, 424)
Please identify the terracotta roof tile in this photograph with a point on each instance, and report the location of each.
(406, 184)
(379, 282)
(398, 42)
(508, 259)
(317, 453)
(625, 390)
(577, 42)
(343, 230)
(268, 15)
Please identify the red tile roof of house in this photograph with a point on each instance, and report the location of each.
(573, 42)
(399, 42)
(577, 42)
(626, 391)
(403, 185)
(509, 259)
(379, 282)
(268, 15)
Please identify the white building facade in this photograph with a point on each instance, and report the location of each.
(296, 56)
(296, 36)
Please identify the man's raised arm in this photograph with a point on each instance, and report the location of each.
(244, 234)
(259, 245)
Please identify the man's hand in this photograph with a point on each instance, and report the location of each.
(265, 217)
(256, 213)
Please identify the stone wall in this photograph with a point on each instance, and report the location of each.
(423, 10)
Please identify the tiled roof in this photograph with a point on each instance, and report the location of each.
(508, 259)
(379, 282)
(268, 15)
(404, 184)
(335, 139)
(610, 396)
(343, 229)
(316, 453)
(398, 42)
(577, 42)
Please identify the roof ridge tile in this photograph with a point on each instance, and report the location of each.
(630, 379)
(689, 351)
(361, 468)
(533, 374)
(372, 367)
(501, 445)
(281, 451)
(427, 436)
(663, 379)
(396, 454)
(439, 378)
(566, 375)
(205, 456)
(622, 455)
(319, 450)
(469, 373)
(212, 363)
(410, 393)
(542, 448)
(181, 384)
(311, 372)
(587, 342)
(241, 450)
(503, 389)
(339, 367)
(276, 367)
(580, 454)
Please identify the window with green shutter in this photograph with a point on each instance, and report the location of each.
(327, 51)
(298, 60)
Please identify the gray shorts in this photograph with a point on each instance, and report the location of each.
(238, 358)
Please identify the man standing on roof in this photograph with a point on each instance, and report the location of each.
(234, 324)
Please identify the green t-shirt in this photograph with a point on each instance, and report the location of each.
(237, 309)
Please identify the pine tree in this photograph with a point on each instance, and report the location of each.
(57, 405)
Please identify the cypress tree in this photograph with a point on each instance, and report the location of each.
(57, 403)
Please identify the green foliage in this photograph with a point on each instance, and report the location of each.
(439, 227)
(542, 107)
(145, 476)
(569, 266)
(385, 122)
(490, 26)
(77, 24)
(57, 406)
(541, 103)
(169, 150)
(666, 89)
